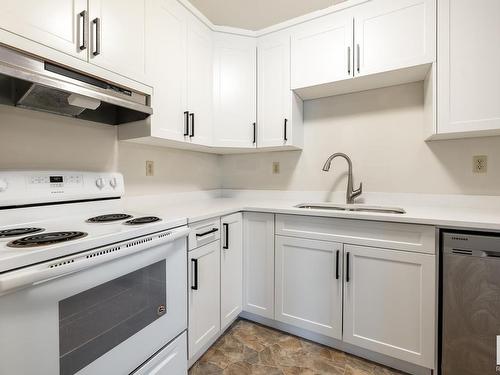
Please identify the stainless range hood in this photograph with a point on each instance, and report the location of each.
(33, 83)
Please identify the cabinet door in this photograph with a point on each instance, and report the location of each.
(231, 272)
(394, 34)
(171, 360)
(258, 264)
(53, 23)
(204, 296)
(235, 90)
(166, 67)
(309, 285)
(200, 78)
(117, 33)
(389, 303)
(322, 51)
(468, 75)
(274, 94)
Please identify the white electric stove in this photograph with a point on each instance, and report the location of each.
(87, 286)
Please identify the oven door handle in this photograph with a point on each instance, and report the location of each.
(60, 267)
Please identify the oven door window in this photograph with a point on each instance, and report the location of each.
(93, 322)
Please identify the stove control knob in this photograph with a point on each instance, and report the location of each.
(3, 185)
(100, 183)
(113, 182)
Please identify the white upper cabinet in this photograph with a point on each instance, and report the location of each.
(468, 78)
(279, 116)
(235, 90)
(377, 43)
(309, 285)
(167, 66)
(117, 36)
(389, 303)
(392, 35)
(199, 82)
(322, 50)
(61, 25)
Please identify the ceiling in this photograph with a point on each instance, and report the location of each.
(257, 14)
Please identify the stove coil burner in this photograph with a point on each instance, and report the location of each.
(142, 220)
(108, 218)
(44, 239)
(15, 232)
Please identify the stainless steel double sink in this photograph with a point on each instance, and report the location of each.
(352, 207)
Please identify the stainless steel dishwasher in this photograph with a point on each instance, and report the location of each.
(470, 303)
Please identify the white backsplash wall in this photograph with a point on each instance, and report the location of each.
(34, 140)
(382, 131)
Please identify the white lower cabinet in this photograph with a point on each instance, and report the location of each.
(171, 360)
(258, 263)
(231, 269)
(204, 296)
(309, 284)
(389, 303)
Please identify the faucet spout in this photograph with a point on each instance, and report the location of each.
(351, 194)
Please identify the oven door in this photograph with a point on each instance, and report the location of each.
(105, 319)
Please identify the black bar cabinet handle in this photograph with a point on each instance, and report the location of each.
(337, 273)
(83, 30)
(97, 36)
(213, 230)
(192, 124)
(226, 235)
(195, 273)
(254, 133)
(186, 123)
(347, 276)
(284, 130)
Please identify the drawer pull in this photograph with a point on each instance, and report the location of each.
(213, 230)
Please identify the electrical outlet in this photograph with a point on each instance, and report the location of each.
(480, 164)
(150, 168)
(276, 167)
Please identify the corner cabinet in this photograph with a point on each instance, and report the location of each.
(468, 78)
(235, 91)
(389, 303)
(258, 263)
(231, 268)
(279, 116)
(308, 292)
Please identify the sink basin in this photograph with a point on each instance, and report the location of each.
(351, 207)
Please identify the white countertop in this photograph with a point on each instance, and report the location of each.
(442, 211)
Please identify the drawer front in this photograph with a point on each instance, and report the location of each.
(204, 232)
(399, 236)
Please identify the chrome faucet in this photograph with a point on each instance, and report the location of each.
(351, 194)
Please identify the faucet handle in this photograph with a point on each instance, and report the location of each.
(358, 191)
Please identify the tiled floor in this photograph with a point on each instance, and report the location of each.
(251, 349)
